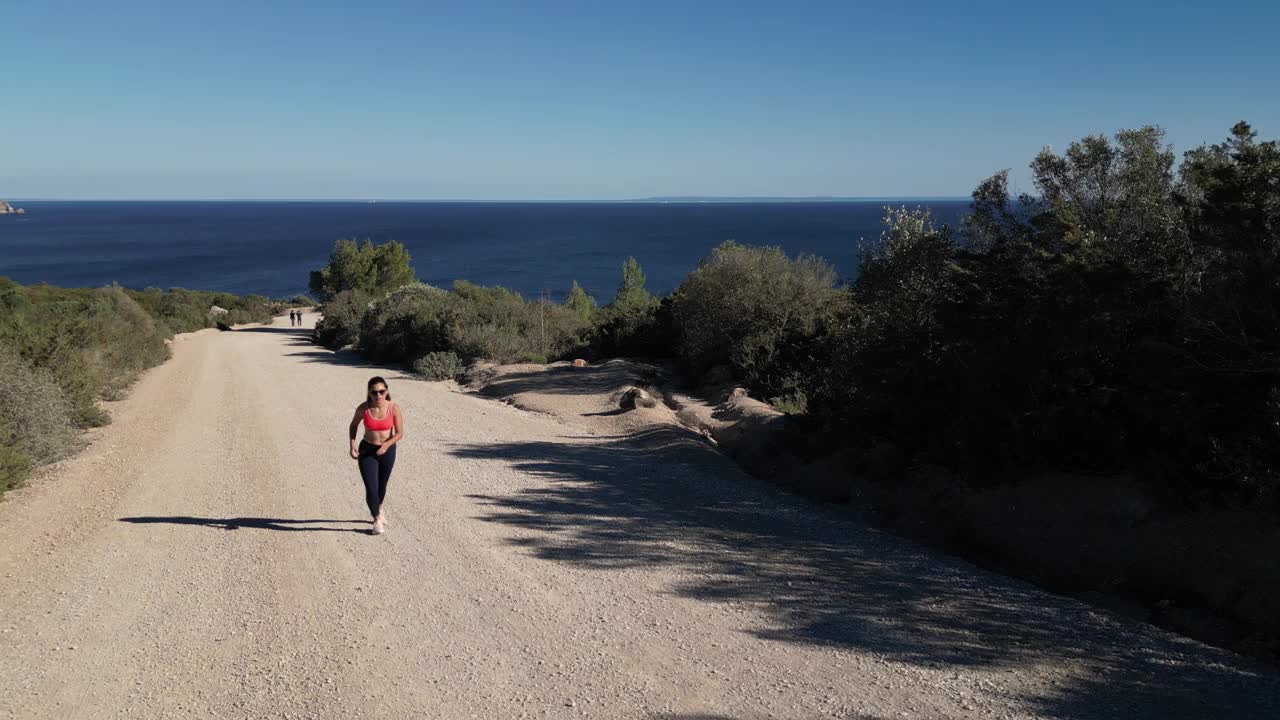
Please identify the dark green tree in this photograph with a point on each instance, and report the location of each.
(1113, 201)
(633, 323)
(364, 268)
(631, 294)
(749, 308)
(580, 302)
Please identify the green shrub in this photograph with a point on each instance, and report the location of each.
(94, 342)
(35, 419)
(477, 340)
(340, 325)
(471, 321)
(409, 322)
(64, 349)
(122, 340)
(180, 310)
(793, 404)
(497, 324)
(439, 366)
(15, 467)
(749, 308)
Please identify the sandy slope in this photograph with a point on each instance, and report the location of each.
(208, 555)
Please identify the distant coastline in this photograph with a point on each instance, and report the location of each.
(803, 199)
(7, 209)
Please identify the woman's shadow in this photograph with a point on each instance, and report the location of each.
(257, 523)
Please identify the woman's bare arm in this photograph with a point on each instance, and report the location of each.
(354, 429)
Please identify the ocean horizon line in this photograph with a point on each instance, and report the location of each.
(658, 200)
(269, 248)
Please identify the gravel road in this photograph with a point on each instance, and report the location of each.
(209, 555)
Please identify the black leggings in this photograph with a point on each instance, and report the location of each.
(376, 471)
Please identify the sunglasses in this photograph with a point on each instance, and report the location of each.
(378, 392)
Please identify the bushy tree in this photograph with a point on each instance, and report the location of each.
(909, 271)
(343, 315)
(1115, 200)
(410, 321)
(753, 308)
(1231, 194)
(1126, 317)
(1230, 346)
(497, 324)
(362, 267)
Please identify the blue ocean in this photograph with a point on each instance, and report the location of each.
(268, 248)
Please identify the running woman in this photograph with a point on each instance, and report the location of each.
(376, 453)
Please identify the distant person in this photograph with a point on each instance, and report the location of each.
(376, 453)
(291, 318)
(299, 317)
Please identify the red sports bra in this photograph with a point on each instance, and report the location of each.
(386, 423)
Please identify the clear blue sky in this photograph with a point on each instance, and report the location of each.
(599, 99)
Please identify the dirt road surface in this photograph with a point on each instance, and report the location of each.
(209, 555)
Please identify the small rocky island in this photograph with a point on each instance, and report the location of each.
(7, 209)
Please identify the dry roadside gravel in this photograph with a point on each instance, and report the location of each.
(208, 556)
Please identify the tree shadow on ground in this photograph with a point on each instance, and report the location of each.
(706, 716)
(255, 523)
(345, 358)
(568, 380)
(302, 331)
(664, 497)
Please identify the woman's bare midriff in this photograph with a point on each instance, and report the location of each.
(375, 437)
